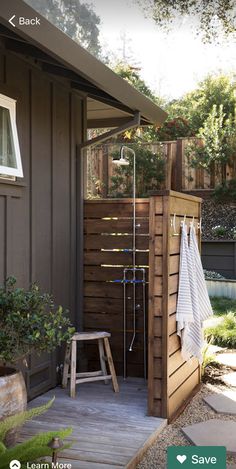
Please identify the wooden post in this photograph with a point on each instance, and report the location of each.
(165, 305)
(111, 364)
(73, 369)
(179, 166)
(151, 281)
(169, 166)
(66, 366)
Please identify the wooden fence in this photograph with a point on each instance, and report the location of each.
(107, 241)
(171, 379)
(180, 176)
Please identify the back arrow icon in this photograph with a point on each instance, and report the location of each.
(10, 20)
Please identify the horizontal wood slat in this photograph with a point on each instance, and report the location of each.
(115, 226)
(181, 395)
(114, 258)
(173, 285)
(115, 242)
(110, 290)
(114, 209)
(182, 374)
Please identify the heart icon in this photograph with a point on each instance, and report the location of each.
(181, 458)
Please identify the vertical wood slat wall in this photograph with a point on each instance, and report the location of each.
(108, 226)
(37, 214)
(171, 379)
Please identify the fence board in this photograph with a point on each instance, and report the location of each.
(104, 261)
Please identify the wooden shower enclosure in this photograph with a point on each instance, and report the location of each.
(107, 250)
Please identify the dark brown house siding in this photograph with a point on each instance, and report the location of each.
(38, 213)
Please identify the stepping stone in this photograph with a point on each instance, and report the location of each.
(227, 359)
(223, 403)
(215, 349)
(213, 432)
(230, 379)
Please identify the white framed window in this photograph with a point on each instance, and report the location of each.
(10, 158)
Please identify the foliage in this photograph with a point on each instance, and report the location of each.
(211, 16)
(150, 173)
(132, 76)
(218, 139)
(222, 305)
(226, 192)
(173, 129)
(29, 320)
(223, 334)
(19, 419)
(30, 450)
(74, 18)
(210, 275)
(196, 105)
(208, 358)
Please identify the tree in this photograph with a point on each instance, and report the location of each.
(196, 106)
(212, 16)
(131, 74)
(74, 18)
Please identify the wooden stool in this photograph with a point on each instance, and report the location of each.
(71, 356)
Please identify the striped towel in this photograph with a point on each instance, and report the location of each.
(184, 312)
(192, 333)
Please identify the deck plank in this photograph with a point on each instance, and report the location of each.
(110, 429)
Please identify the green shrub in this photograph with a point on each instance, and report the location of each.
(226, 192)
(150, 173)
(29, 321)
(211, 274)
(223, 334)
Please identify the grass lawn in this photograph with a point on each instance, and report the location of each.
(223, 305)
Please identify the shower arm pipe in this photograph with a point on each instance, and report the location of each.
(123, 148)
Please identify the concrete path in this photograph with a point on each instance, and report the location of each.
(214, 432)
(227, 359)
(223, 403)
(230, 379)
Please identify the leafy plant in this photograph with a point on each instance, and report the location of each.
(29, 320)
(219, 231)
(150, 173)
(30, 450)
(226, 192)
(208, 358)
(223, 334)
(218, 139)
(210, 275)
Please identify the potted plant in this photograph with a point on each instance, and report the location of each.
(29, 321)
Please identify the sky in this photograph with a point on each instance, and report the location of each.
(171, 64)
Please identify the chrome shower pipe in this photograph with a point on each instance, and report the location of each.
(126, 281)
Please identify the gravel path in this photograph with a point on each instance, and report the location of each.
(196, 411)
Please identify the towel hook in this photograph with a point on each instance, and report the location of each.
(199, 225)
(173, 224)
(182, 223)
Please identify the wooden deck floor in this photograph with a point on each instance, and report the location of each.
(109, 430)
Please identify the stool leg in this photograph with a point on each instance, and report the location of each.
(66, 367)
(73, 369)
(111, 365)
(102, 359)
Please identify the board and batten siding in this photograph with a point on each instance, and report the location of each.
(171, 380)
(220, 256)
(38, 213)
